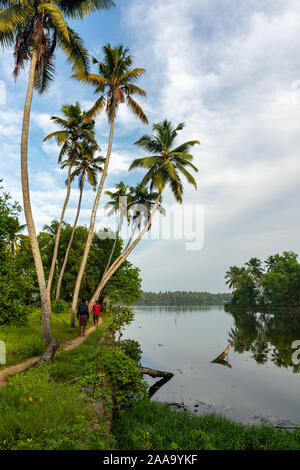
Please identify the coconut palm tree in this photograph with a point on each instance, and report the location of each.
(13, 241)
(36, 28)
(118, 203)
(115, 82)
(136, 208)
(233, 276)
(165, 167)
(74, 129)
(86, 167)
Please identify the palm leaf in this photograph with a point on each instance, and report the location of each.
(136, 109)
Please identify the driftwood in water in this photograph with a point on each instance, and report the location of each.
(155, 373)
(155, 387)
(221, 358)
(50, 352)
(223, 363)
(166, 376)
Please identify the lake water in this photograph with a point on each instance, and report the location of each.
(262, 383)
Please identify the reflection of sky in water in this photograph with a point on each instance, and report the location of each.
(192, 337)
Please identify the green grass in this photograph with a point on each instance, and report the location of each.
(150, 425)
(45, 407)
(24, 342)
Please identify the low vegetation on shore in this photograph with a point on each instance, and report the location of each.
(155, 426)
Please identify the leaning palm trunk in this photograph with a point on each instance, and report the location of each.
(114, 246)
(123, 256)
(57, 238)
(61, 275)
(92, 227)
(110, 258)
(45, 306)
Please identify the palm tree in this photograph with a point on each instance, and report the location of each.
(141, 204)
(233, 276)
(116, 84)
(73, 130)
(14, 238)
(164, 168)
(35, 28)
(119, 202)
(86, 166)
(139, 201)
(255, 268)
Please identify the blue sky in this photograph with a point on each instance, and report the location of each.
(230, 70)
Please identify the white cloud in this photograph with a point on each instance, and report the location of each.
(235, 87)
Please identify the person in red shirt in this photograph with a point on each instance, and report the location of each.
(96, 312)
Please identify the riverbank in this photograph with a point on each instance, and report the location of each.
(154, 426)
(52, 406)
(70, 404)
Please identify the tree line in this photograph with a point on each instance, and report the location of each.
(35, 30)
(182, 298)
(261, 285)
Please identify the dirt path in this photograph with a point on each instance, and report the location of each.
(26, 364)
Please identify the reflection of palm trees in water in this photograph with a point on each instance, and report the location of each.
(237, 340)
(266, 336)
(260, 349)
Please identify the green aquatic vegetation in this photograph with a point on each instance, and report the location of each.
(156, 426)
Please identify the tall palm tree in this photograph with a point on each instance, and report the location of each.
(165, 166)
(35, 28)
(73, 130)
(136, 208)
(115, 83)
(86, 167)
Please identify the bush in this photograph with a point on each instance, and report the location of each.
(60, 306)
(132, 349)
(122, 374)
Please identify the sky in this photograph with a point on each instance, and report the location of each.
(230, 70)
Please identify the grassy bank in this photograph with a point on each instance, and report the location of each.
(23, 342)
(47, 408)
(68, 404)
(150, 425)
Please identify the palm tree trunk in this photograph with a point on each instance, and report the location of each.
(114, 246)
(92, 226)
(61, 275)
(57, 238)
(109, 261)
(45, 306)
(123, 256)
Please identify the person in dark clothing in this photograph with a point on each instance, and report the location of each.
(83, 316)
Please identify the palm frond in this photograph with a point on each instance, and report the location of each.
(136, 109)
(79, 9)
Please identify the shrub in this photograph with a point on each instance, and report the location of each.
(60, 306)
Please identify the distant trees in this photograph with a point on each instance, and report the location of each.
(19, 288)
(277, 284)
(15, 283)
(182, 298)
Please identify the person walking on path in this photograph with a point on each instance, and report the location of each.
(96, 313)
(83, 316)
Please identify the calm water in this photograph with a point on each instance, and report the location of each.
(262, 384)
